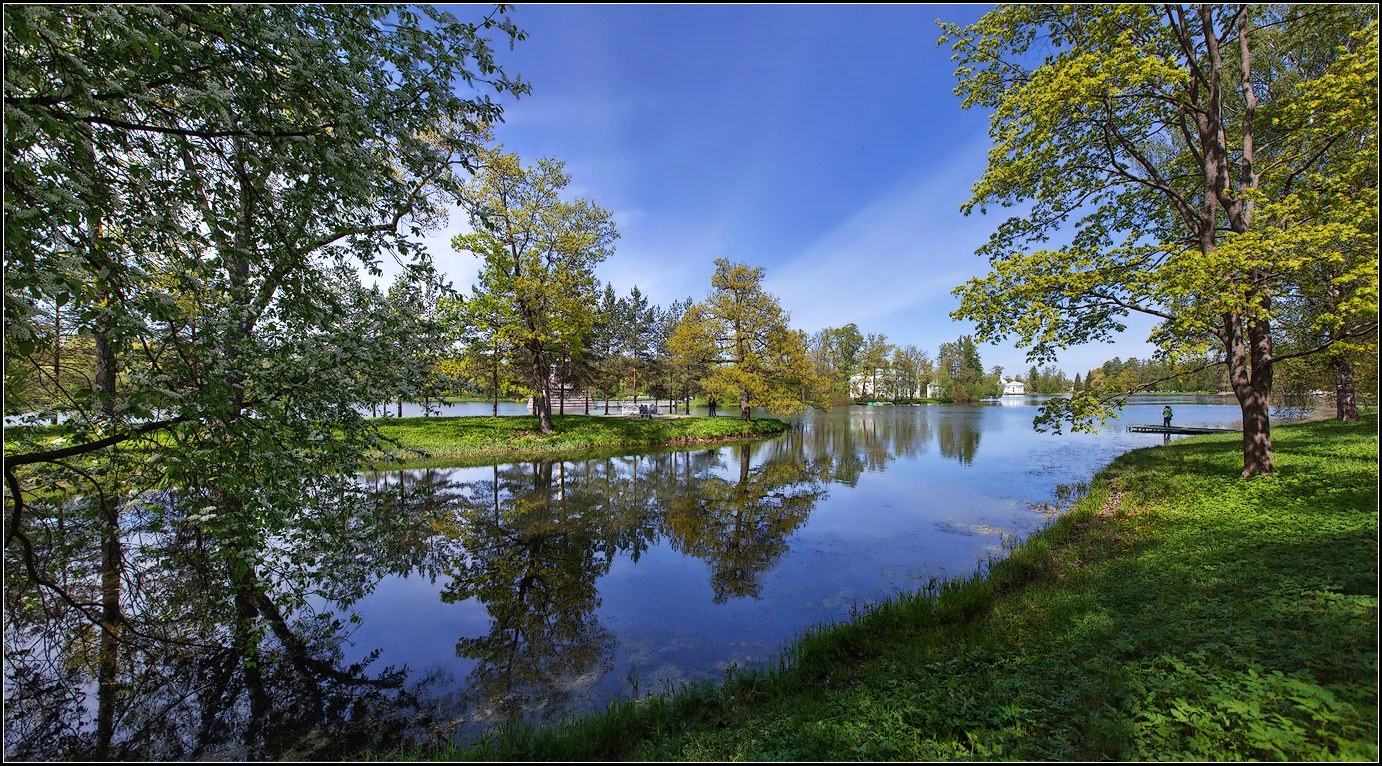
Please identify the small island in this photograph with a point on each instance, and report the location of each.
(418, 442)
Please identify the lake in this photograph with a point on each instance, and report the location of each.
(574, 582)
(446, 601)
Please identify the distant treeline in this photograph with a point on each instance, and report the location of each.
(1151, 375)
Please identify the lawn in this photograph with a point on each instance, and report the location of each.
(455, 440)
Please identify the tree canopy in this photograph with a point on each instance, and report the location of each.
(741, 332)
(192, 193)
(538, 253)
(1190, 167)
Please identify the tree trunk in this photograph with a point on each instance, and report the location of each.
(561, 390)
(112, 559)
(537, 371)
(57, 356)
(1250, 375)
(744, 405)
(1248, 342)
(1345, 391)
(112, 554)
(1257, 436)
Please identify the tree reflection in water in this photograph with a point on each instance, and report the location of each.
(959, 439)
(214, 657)
(740, 527)
(534, 546)
(211, 659)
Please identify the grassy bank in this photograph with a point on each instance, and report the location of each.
(1175, 613)
(462, 439)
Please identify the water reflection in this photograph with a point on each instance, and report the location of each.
(211, 656)
(958, 439)
(538, 586)
(739, 526)
(534, 545)
(535, 538)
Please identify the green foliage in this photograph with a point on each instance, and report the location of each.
(194, 191)
(1175, 157)
(538, 254)
(835, 351)
(1047, 380)
(742, 334)
(960, 372)
(1151, 375)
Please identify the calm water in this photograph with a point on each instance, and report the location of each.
(455, 599)
(565, 584)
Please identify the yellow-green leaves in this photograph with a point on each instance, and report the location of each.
(1149, 182)
(539, 253)
(758, 361)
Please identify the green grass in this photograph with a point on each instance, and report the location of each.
(1176, 613)
(452, 441)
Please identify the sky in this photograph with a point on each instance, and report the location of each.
(823, 143)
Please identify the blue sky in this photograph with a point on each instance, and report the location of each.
(823, 143)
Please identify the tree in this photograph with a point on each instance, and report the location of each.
(1333, 211)
(606, 343)
(201, 186)
(1176, 151)
(539, 253)
(961, 372)
(419, 301)
(487, 354)
(875, 360)
(846, 342)
(676, 380)
(742, 333)
(925, 368)
(639, 326)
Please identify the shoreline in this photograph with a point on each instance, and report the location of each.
(1175, 612)
(474, 439)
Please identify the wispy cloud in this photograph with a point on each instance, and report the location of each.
(902, 252)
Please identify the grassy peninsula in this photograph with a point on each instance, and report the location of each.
(1177, 612)
(456, 440)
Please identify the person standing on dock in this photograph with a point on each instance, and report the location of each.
(1166, 416)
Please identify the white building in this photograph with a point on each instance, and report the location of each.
(934, 390)
(882, 384)
(1014, 388)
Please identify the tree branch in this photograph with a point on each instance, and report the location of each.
(50, 456)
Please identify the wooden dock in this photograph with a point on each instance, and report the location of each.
(1149, 429)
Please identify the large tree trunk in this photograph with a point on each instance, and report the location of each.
(1250, 375)
(1247, 341)
(1257, 436)
(743, 405)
